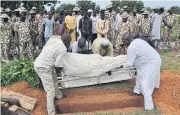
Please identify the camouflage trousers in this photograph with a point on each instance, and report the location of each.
(111, 36)
(167, 36)
(35, 40)
(40, 41)
(5, 47)
(119, 44)
(26, 49)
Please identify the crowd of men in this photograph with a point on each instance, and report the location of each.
(23, 33)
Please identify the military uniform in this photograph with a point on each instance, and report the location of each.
(6, 35)
(170, 19)
(40, 30)
(134, 24)
(145, 25)
(111, 26)
(34, 30)
(123, 28)
(24, 38)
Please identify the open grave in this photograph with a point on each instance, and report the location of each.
(93, 100)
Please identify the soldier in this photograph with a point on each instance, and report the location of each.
(145, 25)
(40, 37)
(24, 12)
(22, 30)
(111, 19)
(169, 22)
(16, 18)
(126, 9)
(124, 27)
(6, 36)
(178, 55)
(134, 22)
(102, 25)
(33, 28)
(85, 26)
(76, 12)
(8, 12)
(98, 11)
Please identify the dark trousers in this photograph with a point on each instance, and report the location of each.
(94, 36)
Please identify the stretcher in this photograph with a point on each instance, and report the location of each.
(118, 74)
(84, 70)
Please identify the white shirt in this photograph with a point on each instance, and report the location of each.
(94, 20)
(156, 28)
(147, 62)
(77, 22)
(118, 19)
(51, 54)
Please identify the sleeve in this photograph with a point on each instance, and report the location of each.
(80, 25)
(60, 55)
(111, 51)
(44, 21)
(16, 27)
(96, 47)
(74, 47)
(97, 26)
(131, 56)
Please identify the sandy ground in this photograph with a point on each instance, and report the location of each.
(167, 98)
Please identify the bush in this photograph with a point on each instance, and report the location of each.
(20, 70)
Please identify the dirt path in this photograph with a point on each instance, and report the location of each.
(167, 98)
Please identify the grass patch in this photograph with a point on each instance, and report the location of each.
(170, 61)
(137, 112)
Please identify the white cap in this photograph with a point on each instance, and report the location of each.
(76, 9)
(4, 16)
(90, 10)
(7, 10)
(105, 42)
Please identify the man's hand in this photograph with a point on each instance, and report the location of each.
(58, 71)
(70, 31)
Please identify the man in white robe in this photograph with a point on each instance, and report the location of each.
(156, 28)
(147, 61)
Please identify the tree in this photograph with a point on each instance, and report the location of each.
(138, 5)
(38, 4)
(149, 9)
(69, 7)
(27, 4)
(176, 9)
(10, 4)
(85, 5)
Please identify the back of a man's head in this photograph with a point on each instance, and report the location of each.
(66, 38)
(81, 43)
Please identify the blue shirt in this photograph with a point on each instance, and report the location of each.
(48, 27)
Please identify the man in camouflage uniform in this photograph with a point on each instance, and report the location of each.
(169, 22)
(134, 23)
(145, 25)
(22, 32)
(33, 28)
(124, 27)
(40, 36)
(111, 18)
(6, 33)
(178, 55)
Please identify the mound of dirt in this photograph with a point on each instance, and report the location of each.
(167, 98)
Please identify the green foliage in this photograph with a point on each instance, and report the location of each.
(176, 9)
(85, 5)
(19, 70)
(11, 4)
(69, 7)
(27, 4)
(132, 4)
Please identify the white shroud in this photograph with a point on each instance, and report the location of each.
(83, 65)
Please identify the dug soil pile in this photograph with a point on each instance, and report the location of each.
(167, 98)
